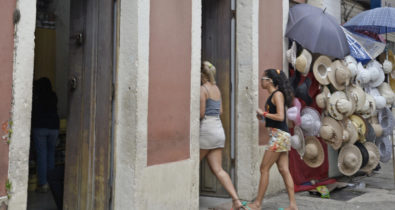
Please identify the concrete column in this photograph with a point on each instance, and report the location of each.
(22, 104)
(164, 186)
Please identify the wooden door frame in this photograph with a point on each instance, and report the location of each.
(88, 183)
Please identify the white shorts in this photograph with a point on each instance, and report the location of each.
(212, 133)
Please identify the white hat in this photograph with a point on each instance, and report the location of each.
(297, 141)
(378, 98)
(339, 75)
(387, 66)
(377, 73)
(356, 92)
(310, 121)
(363, 75)
(369, 108)
(320, 69)
(291, 54)
(303, 62)
(293, 113)
(351, 64)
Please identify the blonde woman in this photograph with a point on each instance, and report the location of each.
(212, 136)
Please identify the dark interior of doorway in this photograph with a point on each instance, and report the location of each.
(50, 61)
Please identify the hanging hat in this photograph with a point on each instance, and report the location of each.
(378, 98)
(302, 91)
(322, 98)
(385, 148)
(374, 156)
(364, 153)
(351, 64)
(310, 121)
(360, 125)
(378, 130)
(350, 133)
(291, 54)
(369, 108)
(320, 69)
(331, 132)
(370, 135)
(363, 75)
(356, 92)
(386, 120)
(349, 160)
(297, 141)
(303, 62)
(339, 105)
(386, 91)
(389, 63)
(339, 75)
(293, 113)
(314, 152)
(376, 72)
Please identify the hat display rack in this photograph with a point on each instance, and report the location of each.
(344, 103)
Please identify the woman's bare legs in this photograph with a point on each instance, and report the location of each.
(203, 153)
(282, 164)
(269, 158)
(214, 158)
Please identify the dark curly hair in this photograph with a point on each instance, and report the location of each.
(281, 81)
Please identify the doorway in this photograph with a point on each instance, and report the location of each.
(74, 49)
(217, 47)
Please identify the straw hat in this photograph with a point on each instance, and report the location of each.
(351, 64)
(303, 62)
(360, 125)
(298, 142)
(291, 54)
(349, 160)
(322, 98)
(331, 132)
(339, 106)
(314, 153)
(385, 148)
(350, 133)
(378, 130)
(378, 98)
(356, 92)
(293, 113)
(364, 153)
(374, 156)
(320, 69)
(386, 91)
(339, 75)
(386, 120)
(310, 121)
(369, 108)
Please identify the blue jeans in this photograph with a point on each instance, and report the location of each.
(45, 143)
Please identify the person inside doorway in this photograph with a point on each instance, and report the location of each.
(281, 95)
(212, 135)
(45, 129)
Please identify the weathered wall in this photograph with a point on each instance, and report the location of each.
(21, 107)
(6, 56)
(136, 185)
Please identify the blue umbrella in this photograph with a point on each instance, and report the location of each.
(316, 31)
(363, 48)
(379, 20)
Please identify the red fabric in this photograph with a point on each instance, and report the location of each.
(301, 173)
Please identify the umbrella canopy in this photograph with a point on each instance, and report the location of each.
(316, 31)
(363, 48)
(379, 20)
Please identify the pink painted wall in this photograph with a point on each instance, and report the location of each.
(6, 61)
(169, 81)
(270, 48)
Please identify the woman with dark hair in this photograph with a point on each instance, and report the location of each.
(45, 129)
(281, 95)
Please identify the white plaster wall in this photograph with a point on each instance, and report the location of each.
(165, 186)
(333, 8)
(21, 106)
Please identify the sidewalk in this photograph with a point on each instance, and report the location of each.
(378, 193)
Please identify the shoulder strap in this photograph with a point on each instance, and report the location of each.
(208, 93)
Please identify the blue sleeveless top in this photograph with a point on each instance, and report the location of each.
(213, 107)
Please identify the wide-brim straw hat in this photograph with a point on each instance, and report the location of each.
(386, 91)
(369, 108)
(331, 132)
(314, 153)
(374, 157)
(320, 69)
(358, 94)
(339, 105)
(310, 121)
(379, 100)
(378, 130)
(298, 141)
(322, 98)
(350, 133)
(385, 148)
(339, 75)
(303, 62)
(360, 125)
(349, 160)
(386, 120)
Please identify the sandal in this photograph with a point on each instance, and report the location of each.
(243, 205)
